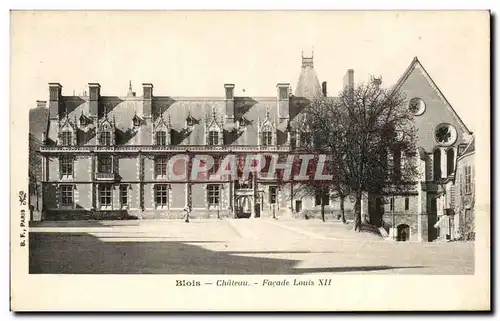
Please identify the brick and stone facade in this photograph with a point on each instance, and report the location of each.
(114, 145)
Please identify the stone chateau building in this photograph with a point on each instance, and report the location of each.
(106, 156)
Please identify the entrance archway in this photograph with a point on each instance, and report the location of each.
(244, 205)
(403, 233)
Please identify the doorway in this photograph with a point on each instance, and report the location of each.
(298, 206)
(403, 233)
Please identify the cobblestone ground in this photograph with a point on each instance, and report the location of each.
(245, 246)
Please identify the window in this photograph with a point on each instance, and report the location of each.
(391, 204)
(67, 195)
(450, 161)
(407, 203)
(105, 195)
(321, 197)
(272, 194)
(213, 194)
(105, 164)
(267, 138)
(67, 138)
(468, 180)
(437, 164)
(396, 161)
(161, 138)
(213, 137)
(66, 164)
(105, 138)
(161, 195)
(305, 138)
(215, 167)
(161, 166)
(124, 195)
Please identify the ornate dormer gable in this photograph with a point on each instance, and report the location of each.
(67, 131)
(84, 121)
(106, 129)
(214, 130)
(136, 122)
(162, 131)
(190, 122)
(267, 131)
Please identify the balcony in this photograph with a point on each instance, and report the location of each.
(159, 148)
(105, 176)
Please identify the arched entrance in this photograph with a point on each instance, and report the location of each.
(244, 204)
(403, 233)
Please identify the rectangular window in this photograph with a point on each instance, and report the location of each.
(267, 138)
(66, 163)
(161, 166)
(391, 206)
(321, 196)
(305, 139)
(124, 195)
(105, 195)
(215, 167)
(272, 194)
(66, 195)
(407, 203)
(213, 138)
(468, 180)
(105, 138)
(161, 138)
(161, 195)
(67, 138)
(105, 164)
(213, 194)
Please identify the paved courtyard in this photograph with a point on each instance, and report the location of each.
(244, 246)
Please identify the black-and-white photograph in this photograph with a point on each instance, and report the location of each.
(260, 143)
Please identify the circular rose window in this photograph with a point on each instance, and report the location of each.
(445, 135)
(417, 106)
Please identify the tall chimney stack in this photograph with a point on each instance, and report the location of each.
(55, 93)
(229, 97)
(323, 88)
(349, 79)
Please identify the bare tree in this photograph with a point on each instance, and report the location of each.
(369, 135)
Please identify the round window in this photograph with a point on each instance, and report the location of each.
(417, 106)
(445, 135)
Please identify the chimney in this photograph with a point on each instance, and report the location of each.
(349, 79)
(147, 100)
(229, 97)
(94, 96)
(55, 93)
(323, 88)
(41, 103)
(283, 100)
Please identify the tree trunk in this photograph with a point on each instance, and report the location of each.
(357, 212)
(323, 211)
(342, 211)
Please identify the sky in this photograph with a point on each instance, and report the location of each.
(195, 53)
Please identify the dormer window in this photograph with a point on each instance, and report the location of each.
(190, 121)
(267, 137)
(161, 138)
(105, 138)
(66, 138)
(84, 121)
(213, 130)
(136, 121)
(213, 137)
